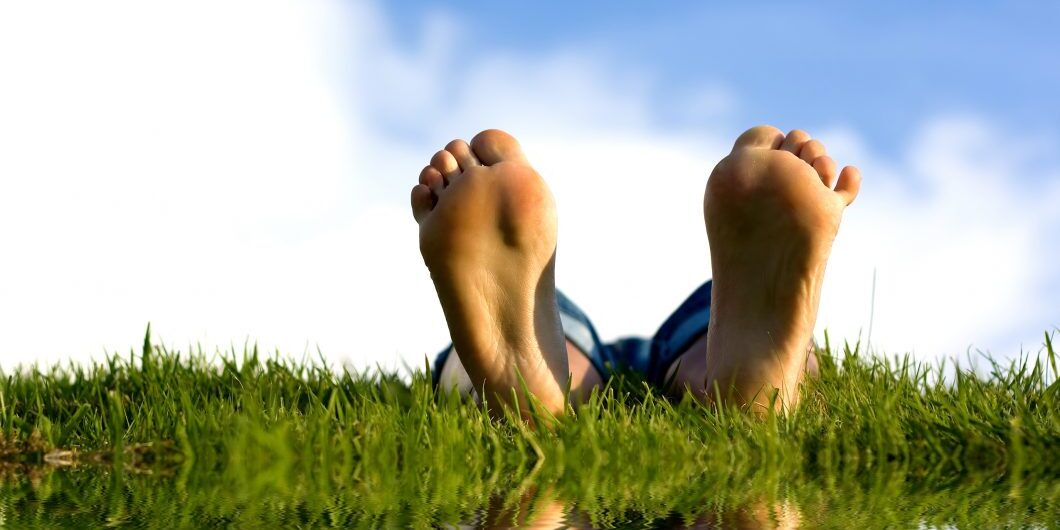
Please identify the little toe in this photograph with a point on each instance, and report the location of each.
(762, 136)
(446, 164)
(848, 184)
(811, 151)
(422, 202)
(826, 168)
(432, 178)
(493, 145)
(463, 155)
(794, 141)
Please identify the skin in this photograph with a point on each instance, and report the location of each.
(689, 371)
(488, 236)
(488, 228)
(771, 215)
(584, 377)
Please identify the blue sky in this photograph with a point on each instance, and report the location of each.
(877, 67)
(240, 170)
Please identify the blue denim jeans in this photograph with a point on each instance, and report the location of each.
(649, 357)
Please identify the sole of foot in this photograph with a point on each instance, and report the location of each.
(772, 209)
(488, 236)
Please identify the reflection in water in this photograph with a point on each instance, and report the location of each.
(257, 496)
(757, 516)
(543, 511)
(532, 509)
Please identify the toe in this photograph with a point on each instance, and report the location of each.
(422, 202)
(848, 184)
(446, 164)
(794, 141)
(825, 167)
(811, 151)
(432, 178)
(492, 146)
(463, 155)
(762, 136)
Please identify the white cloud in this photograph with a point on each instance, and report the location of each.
(242, 170)
(961, 235)
(150, 155)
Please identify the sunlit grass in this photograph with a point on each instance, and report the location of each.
(248, 437)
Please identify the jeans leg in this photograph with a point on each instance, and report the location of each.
(686, 324)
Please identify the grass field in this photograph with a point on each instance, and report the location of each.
(167, 439)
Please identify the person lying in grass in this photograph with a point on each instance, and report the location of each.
(487, 229)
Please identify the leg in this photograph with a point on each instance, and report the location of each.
(771, 216)
(689, 370)
(584, 377)
(488, 236)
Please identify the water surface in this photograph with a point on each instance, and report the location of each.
(265, 495)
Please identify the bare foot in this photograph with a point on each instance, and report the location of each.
(771, 217)
(488, 235)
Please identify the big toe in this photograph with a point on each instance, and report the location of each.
(494, 145)
(762, 136)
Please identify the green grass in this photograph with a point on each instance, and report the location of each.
(191, 439)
